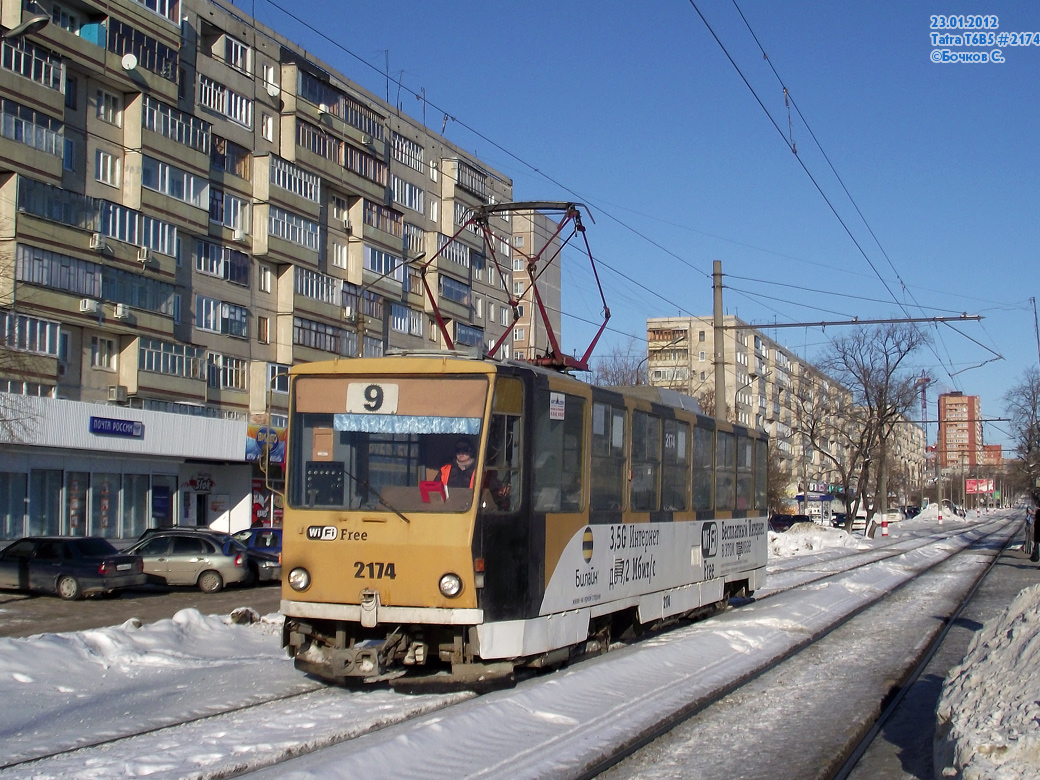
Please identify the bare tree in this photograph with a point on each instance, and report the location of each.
(1022, 405)
(872, 364)
(16, 364)
(623, 365)
(707, 401)
(778, 477)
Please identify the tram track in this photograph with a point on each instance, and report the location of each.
(808, 746)
(376, 717)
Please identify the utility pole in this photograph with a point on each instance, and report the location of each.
(720, 348)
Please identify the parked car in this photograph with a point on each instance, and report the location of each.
(838, 519)
(265, 552)
(206, 559)
(261, 538)
(780, 523)
(69, 566)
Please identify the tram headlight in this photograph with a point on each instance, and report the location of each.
(451, 585)
(299, 579)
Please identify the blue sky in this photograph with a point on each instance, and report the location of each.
(637, 111)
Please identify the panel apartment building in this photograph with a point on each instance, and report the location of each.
(960, 432)
(772, 389)
(535, 232)
(189, 204)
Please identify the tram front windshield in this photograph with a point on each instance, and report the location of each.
(383, 443)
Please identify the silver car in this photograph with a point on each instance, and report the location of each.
(183, 556)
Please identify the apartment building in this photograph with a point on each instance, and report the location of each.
(535, 233)
(960, 443)
(767, 387)
(190, 204)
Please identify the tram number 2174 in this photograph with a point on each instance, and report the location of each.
(374, 571)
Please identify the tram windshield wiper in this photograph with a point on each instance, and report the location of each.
(370, 490)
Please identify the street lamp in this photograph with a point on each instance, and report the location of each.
(31, 25)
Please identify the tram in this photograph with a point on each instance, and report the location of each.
(589, 512)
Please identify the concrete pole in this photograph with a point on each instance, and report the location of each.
(720, 347)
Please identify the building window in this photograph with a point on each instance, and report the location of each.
(519, 334)
(339, 255)
(238, 55)
(102, 353)
(408, 152)
(263, 273)
(228, 156)
(176, 125)
(267, 126)
(228, 373)
(407, 194)
(262, 334)
(29, 334)
(468, 336)
(228, 210)
(106, 168)
(168, 180)
(295, 180)
(278, 377)
(384, 263)
(219, 317)
(216, 97)
(109, 108)
(453, 290)
(29, 127)
(22, 57)
(292, 227)
(162, 357)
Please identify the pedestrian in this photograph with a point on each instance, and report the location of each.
(1035, 557)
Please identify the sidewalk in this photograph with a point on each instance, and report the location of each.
(903, 751)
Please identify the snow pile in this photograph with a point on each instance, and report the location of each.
(988, 718)
(809, 537)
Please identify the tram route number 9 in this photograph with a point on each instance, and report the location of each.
(374, 571)
(372, 398)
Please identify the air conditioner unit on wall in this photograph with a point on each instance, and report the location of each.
(97, 242)
(88, 306)
(346, 223)
(143, 255)
(122, 311)
(239, 235)
(117, 394)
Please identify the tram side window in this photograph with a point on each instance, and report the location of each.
(744, 466)
(646, 461)
(502, 465)
(761, 473)
(608, 456)
(703, 460)
(725, 470)
(558, 453)
(674, 479)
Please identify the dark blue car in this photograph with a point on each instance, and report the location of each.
(265, 551)
(69, 566)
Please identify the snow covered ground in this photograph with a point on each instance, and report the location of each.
(60, 690)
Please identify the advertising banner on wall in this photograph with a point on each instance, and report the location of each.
(259, 437)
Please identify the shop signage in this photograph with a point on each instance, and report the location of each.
(107, 426)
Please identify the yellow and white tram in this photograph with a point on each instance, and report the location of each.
(596, 510)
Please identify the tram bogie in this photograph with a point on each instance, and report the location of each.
(466, 518)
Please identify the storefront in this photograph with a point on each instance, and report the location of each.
(98, 470)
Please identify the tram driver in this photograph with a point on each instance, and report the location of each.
(461, 472)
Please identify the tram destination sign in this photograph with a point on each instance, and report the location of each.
(108, 426)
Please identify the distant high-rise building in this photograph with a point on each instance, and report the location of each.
(960, 431)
